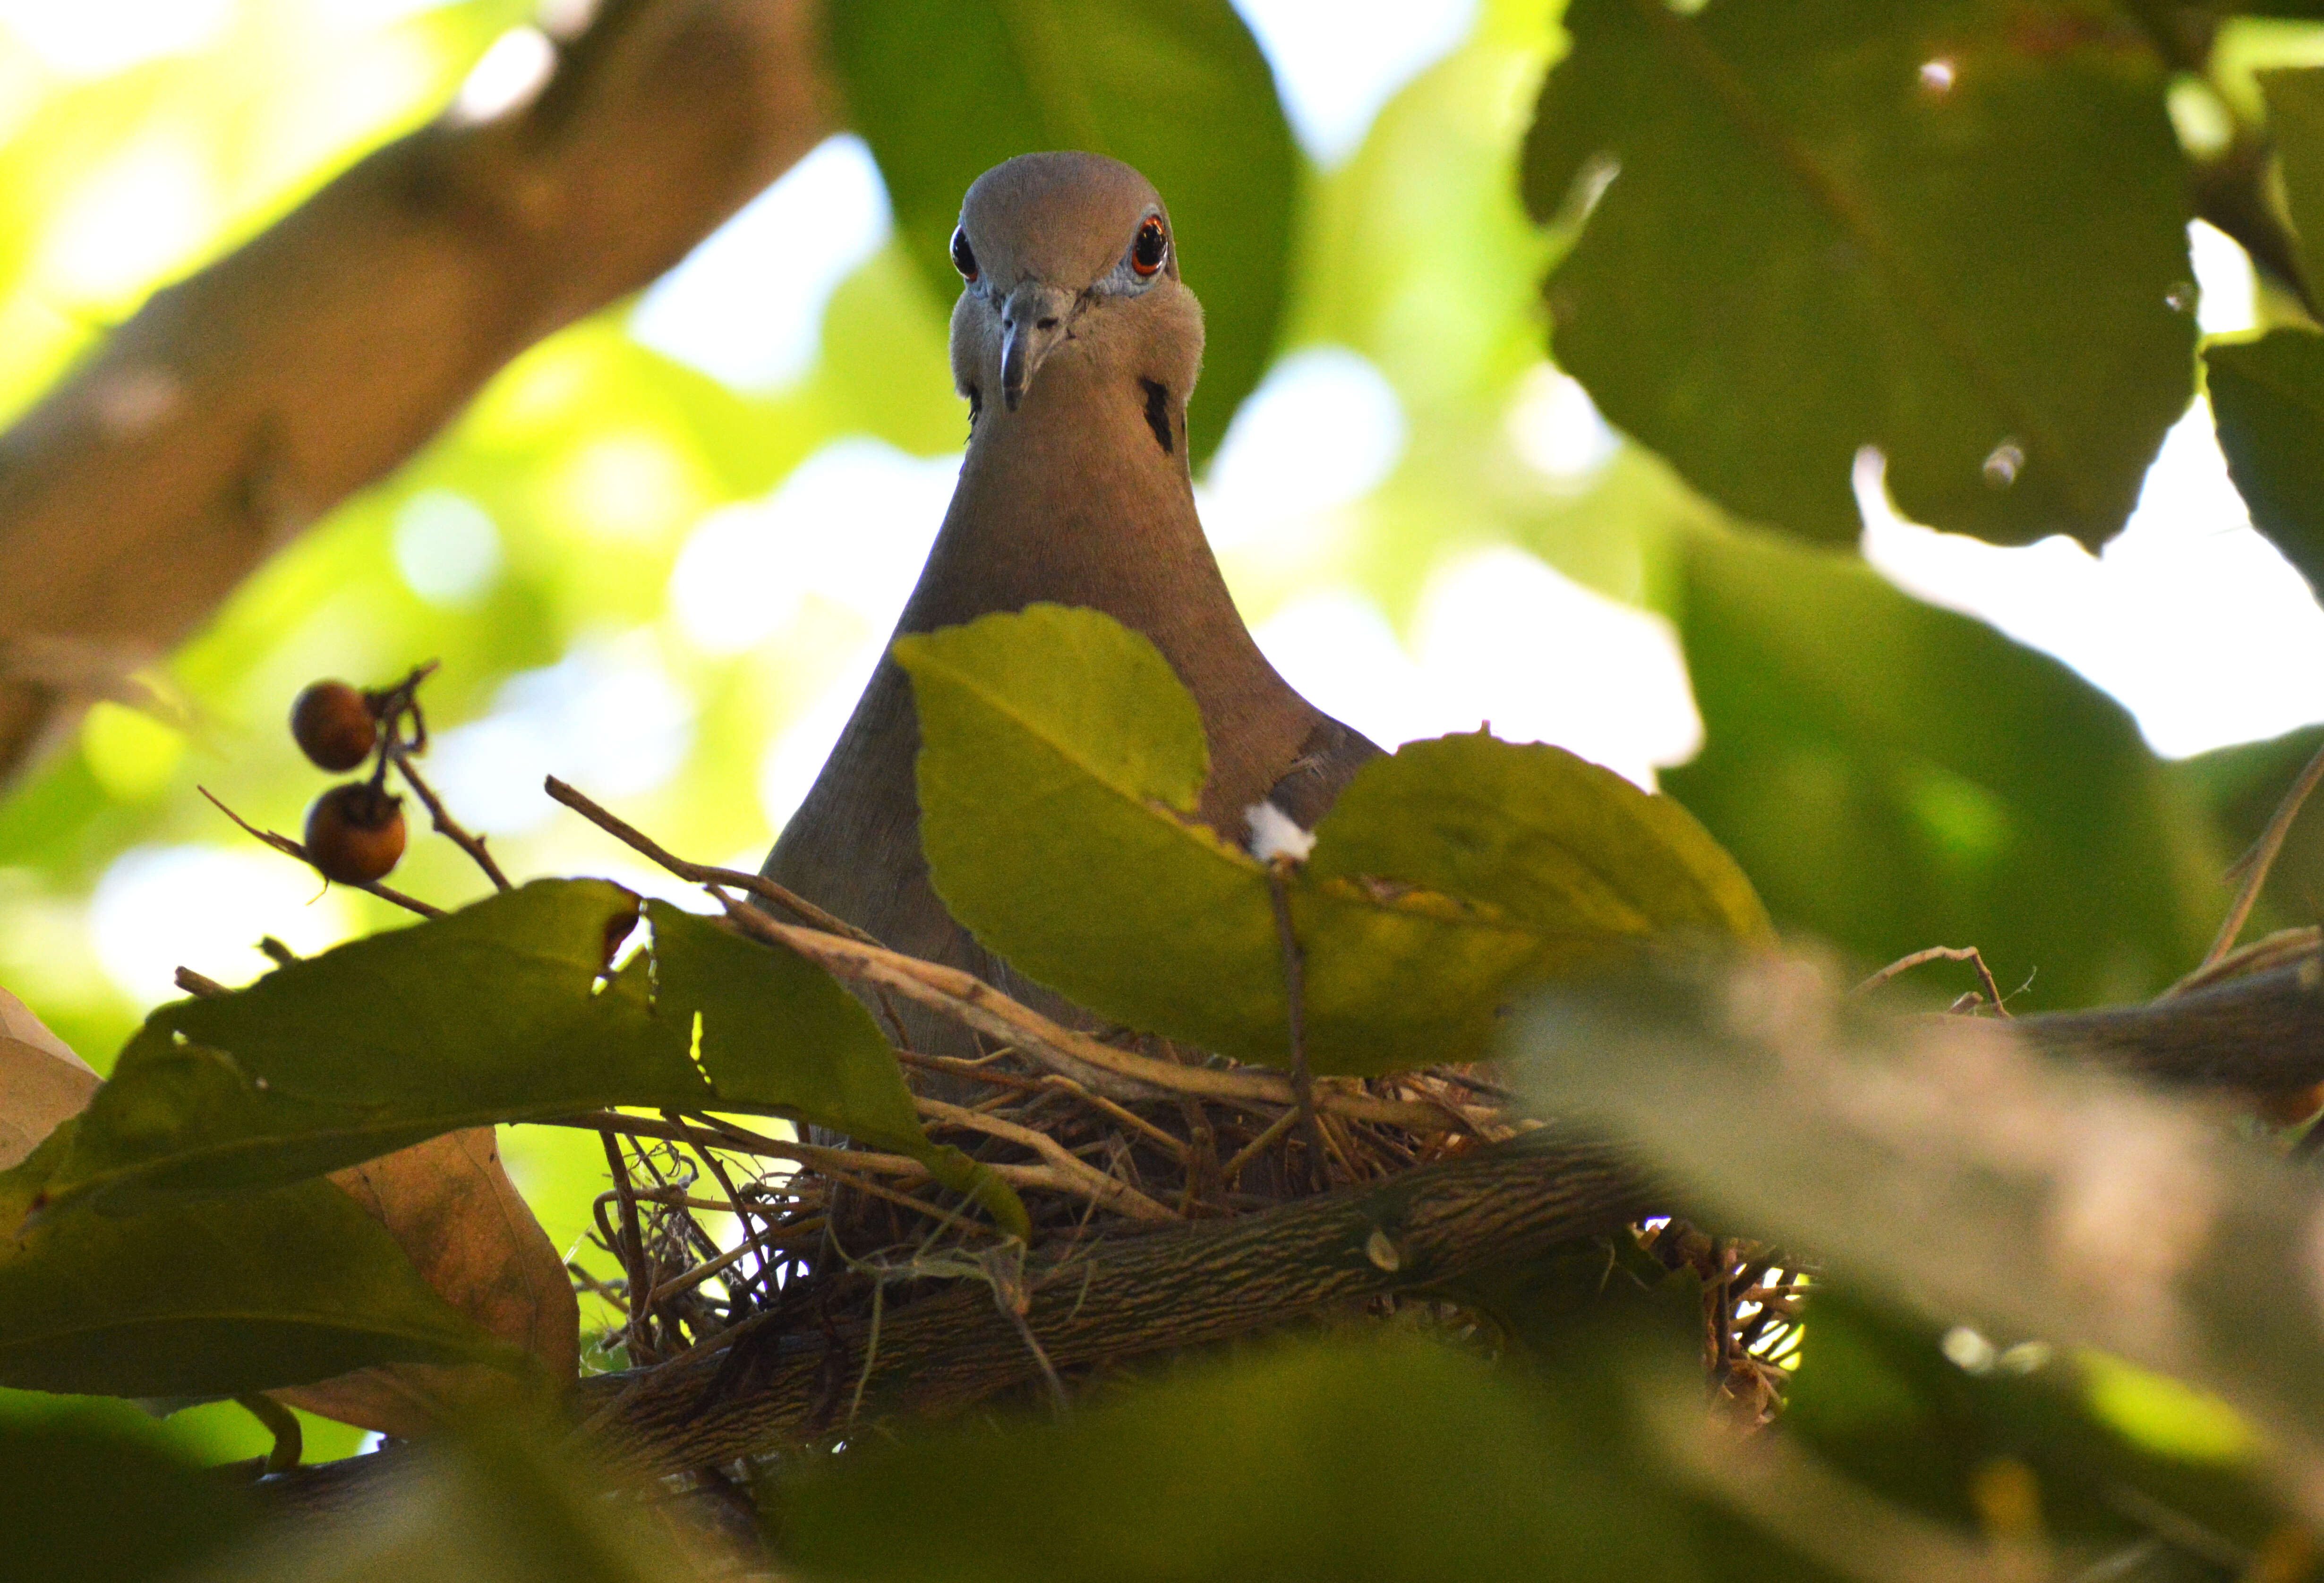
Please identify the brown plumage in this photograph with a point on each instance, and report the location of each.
(1077, 363)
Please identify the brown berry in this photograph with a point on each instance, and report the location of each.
(333, 725)
(354, 832)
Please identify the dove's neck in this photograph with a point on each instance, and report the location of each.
(1072, 498)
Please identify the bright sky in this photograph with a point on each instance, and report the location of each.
(2191, 619)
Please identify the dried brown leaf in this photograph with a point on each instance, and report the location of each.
(42, 1080)
(451, 1206)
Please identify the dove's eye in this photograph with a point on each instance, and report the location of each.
(1153, 244)
(963, 259)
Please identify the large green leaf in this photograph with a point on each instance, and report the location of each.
(1896, 776)
(281, 1286)
(1953, 229)
(1059, 770)
(82, 1502)
(945, 89)
(2267, 398)
(508, 1010)
(1381, 1459)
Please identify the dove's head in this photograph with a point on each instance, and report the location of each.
(1068, 260)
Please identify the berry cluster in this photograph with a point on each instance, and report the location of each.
(355, 831)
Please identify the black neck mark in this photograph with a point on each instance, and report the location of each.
(976, 405)
(1157, 413)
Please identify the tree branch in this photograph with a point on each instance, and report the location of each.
(242, 403)
(2262, 1032)
(1104, 1299)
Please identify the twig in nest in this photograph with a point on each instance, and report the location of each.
(633, 1249)
(1257, 1146)
(446, 825)
(1294, 994)
(835, 1164)
(1904, 964)
(290, 848)
(590, 1283)
(1100, 1188)
(2252, 867)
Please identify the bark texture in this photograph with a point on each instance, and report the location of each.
(240, 404)
(1107, 1299)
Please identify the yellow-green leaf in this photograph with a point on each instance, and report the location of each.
(1060, 764)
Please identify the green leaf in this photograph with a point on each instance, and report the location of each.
(2295, 126)
(223, 1296)
(505, 1011)
(86, 1503)
(945, 89)
(1060, 765)
(2267, 398)
(1380, 1457)
(1897, 776)
(1813, 246)
(1563, 845)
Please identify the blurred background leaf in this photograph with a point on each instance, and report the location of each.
(1894, 776)
(1954, 230)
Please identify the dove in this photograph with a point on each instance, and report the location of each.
(1076, 345)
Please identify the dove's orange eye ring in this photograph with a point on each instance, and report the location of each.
(1152, 246)
(963, 259)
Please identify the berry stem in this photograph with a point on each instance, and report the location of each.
(446, 825)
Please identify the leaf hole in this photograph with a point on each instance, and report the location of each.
(625, 936)
(694, 1053)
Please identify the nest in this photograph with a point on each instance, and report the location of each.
(1102, 1135)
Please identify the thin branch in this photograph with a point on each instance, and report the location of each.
(1904, 964)
(758, 885)
(2261, 1031)
(1257, 1146)
(201, 985)
(633, 1249)
(290, 848)
(446, 825)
